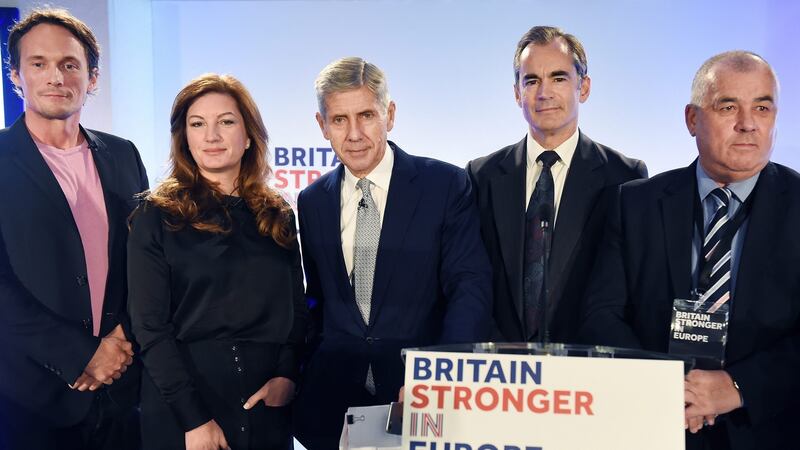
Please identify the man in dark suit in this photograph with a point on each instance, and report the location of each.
(392, 255)
(550, 84)
(656, 250)
(67, 192)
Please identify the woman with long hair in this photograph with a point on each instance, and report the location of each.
(215, 288)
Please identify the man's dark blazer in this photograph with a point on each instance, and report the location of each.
(645, 263)
(45, 312)
(499, 181)
(432, 284)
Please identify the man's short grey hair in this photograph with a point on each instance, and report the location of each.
(351, 73)
(737, 60)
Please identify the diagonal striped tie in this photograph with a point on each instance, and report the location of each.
(717, 254)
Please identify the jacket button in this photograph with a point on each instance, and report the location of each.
(81, 280)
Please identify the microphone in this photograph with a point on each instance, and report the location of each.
(545, 214)
(362, 204)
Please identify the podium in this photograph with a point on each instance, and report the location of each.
(531, 396)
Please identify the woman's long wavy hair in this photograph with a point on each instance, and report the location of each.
(189, 199)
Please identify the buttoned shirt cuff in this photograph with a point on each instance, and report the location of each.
(287, 363)
(189, 410)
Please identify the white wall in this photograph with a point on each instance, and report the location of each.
(448, 65)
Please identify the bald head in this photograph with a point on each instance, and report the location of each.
(732, 115)
(739, 61)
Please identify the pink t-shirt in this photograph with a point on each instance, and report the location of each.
(77, 175)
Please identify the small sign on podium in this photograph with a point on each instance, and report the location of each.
(365, 429)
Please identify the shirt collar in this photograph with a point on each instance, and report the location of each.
(741, 189)
(565, 150)
(380, 176)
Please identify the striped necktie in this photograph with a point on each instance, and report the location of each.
(717, 253)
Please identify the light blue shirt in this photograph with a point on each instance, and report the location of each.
(741, 190)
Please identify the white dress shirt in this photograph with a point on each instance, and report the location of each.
(380, 177)
(559, 170)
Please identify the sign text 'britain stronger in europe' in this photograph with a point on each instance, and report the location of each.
(464, 401)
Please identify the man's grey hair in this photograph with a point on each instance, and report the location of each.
(351, 73)
(737, 60)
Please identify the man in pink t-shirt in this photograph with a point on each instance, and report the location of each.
(66, 354)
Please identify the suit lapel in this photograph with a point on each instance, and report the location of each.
(763, 229)
(401, 202)
(679, 229)
(329, 213)
(584, 180)
(508, 204)
(31, 162)
(104, 162)
(106, 168)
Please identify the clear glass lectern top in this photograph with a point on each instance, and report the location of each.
(555, 349)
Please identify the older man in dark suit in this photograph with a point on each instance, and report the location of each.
(559, 168)
(392, 255)
(67, 192)
(726, 228)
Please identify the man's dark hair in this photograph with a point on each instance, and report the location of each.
(542, 35)
(62, 18)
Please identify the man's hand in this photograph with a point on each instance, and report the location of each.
(110, 361)
(84, 382)
(208, 436)
(708, 393)
(695, 424)
(118, 333)
(278, 391)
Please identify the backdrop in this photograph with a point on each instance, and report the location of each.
(449, 66)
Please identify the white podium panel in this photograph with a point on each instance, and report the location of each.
(478, 401)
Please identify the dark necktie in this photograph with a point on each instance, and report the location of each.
(533, 262)
(717, 254)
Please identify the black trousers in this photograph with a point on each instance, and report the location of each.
(107, 426)
(223, 378)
